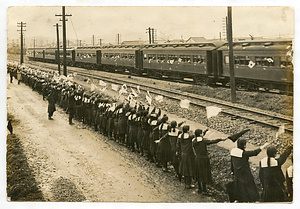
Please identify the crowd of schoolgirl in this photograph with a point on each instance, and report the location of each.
(172, 146)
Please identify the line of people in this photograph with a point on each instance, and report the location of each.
(170, 145)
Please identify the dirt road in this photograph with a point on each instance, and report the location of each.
(98, 170)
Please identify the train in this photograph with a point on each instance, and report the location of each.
(258, 64)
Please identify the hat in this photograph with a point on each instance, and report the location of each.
(235, 137)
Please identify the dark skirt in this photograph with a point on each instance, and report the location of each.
(203, 170)
(187, 165)
(273, 192)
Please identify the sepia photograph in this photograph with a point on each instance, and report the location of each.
(149, 104)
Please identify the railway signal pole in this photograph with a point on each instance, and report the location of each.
(58, 52)
(231, 64)
(21, 25)
(64, 39)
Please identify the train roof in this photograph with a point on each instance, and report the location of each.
(263, 44)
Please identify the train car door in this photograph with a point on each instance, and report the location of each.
(98, 54)
(209, 63)
(139, 61)
(220, 63)
(44, 55)
(73, 56)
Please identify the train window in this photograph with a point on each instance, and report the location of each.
(161, 57)
(184, 58)
(145, 57)
(117, 55)
(285, 62)
(198, 59)
(152, 57)
(226, 59)
(124, 56)
(264, 61)
(173, 57)
(130, 56)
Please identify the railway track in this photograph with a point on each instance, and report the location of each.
(254, 115)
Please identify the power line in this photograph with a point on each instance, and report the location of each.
(73, 27)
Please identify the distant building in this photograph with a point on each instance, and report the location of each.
(132, 42)
(247, 38)
(196, 40)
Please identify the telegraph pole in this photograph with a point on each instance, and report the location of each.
(34, 47)
(149, 31)
(22, 25)
(58, 52)
(231, 63)
(152, 30)
(64, 39)
(100, 41)
(118, 38)
(93, 39)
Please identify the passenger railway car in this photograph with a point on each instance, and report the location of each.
(121, 58)
(193, 61)
(257, 64)
(87, 57)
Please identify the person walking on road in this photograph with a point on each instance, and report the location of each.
(51, 105)
(19, 78)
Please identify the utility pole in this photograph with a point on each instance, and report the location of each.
(100, 41)
(93, 39)
(153, 37)
(231, 64)
(79, 42)
(64, 39)
(58, 52)
(118, 38)
(34, 47)
(22, 25)
(149, 31)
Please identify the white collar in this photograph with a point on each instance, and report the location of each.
(237, 152)
(264, 162)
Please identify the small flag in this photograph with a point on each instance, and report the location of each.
(185, 103)
(102, 83)
(236, 136)
(149, 94)
(114, 87)
(123, 89)
(133, 92)
(212, 111)
(132, 103)
(138, 89)
(159, 98)
(149, 100)
(251, 64)
(280, 131)
(113, 107)
(93, 87)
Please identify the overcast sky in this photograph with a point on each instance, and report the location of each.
(131, 22)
